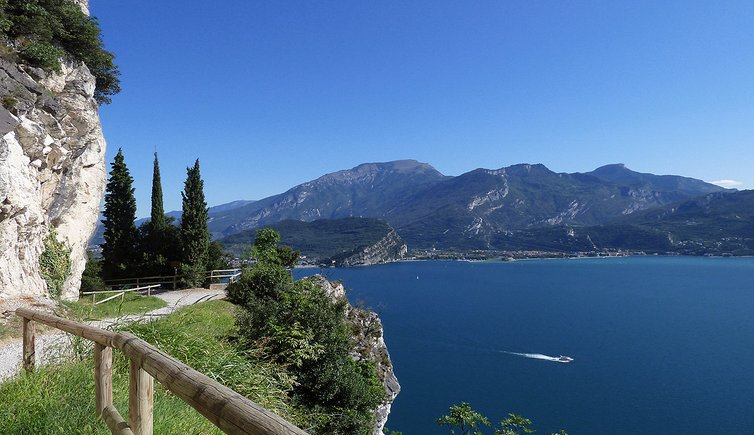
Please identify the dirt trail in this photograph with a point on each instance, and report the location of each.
(50, 344)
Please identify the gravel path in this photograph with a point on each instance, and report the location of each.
(52, 345)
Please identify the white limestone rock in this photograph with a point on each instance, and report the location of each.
(52, 171)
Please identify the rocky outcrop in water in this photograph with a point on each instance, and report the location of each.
(52, 170)
(389, 248)
(369, 345)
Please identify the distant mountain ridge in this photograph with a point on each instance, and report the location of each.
(715, 224)
(369, 190)
(510, 207)
(469, 211)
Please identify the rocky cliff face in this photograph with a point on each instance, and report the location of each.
(389, 248)
(52, 170)
(370, 346)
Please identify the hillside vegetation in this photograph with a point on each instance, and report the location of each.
(323, 238)
(42, 32)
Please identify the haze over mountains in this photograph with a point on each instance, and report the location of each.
(469, 211)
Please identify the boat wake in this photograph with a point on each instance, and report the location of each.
(560, 359)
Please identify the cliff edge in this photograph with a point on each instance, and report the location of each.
(389, 248)
(370, 346)
(52, 170)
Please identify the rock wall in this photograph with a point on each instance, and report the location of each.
(389, 248)
(52, 170)
(370, 345)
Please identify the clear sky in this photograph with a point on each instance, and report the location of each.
(269, 94)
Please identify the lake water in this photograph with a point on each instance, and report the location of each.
(661, 345)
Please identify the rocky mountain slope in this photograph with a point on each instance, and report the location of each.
(52, 170)
(469, 211)
(368, 190)
(717, 223)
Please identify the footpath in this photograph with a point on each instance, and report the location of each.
(52, 345)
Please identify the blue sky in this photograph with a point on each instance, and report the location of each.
(271, 94)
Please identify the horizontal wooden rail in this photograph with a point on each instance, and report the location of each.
(121, 293)
(228, 410)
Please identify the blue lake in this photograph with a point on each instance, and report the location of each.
(661, 345)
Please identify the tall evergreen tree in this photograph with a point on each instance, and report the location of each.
(194, 232)
(119, 249)
(158, 241)
(157, 220)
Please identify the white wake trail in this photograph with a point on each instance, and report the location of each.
(534, 356)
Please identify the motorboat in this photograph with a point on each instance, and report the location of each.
(564, 359)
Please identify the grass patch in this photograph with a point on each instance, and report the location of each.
(130, 304)
(59, 399)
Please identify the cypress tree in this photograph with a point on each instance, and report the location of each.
(119, 249)
(194, 231)
(157, 220)
(158, 237)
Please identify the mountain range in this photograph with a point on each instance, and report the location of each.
(524, 206)
(468, 211)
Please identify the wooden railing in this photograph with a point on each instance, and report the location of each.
(230, 275)
(165, 281)
(228, 410)
(121, 293)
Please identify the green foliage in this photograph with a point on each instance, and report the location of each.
(119, 250)
(321, 239)
(217, 257)
(194, 233)
(467, 421)
(157, 217)
(157, 247)
(158, 241)
(47, 30)
(464, 418)
(295, 324)
(266, 250)
(514, 425)
(55, 263)
(91, 279)
(43, 55)
(9, 102)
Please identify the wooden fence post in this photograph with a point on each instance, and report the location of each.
(140, 399)
(29, 351)
(103, 377)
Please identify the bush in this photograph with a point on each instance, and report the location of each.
(91, 280)
(55, 263)
(43, 55)
(296, 324)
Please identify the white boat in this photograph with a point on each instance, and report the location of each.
(564, 359)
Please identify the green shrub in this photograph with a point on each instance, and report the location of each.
(296, 324)
(43, 55)
(55, 263)
(9, 102)
(91, 279)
